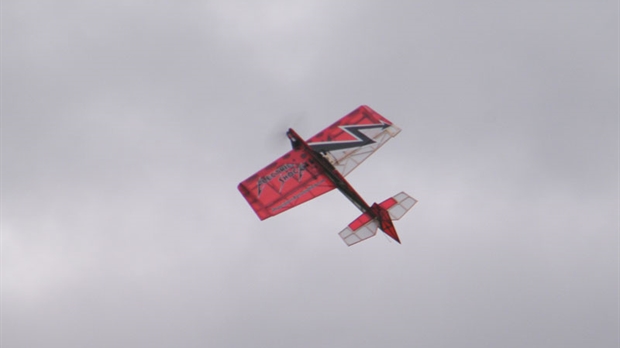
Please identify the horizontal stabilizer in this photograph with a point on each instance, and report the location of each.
(360, 229)
(398, 205)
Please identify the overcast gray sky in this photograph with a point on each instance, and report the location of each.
(126, 126)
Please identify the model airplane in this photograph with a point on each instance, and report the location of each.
(319, 165)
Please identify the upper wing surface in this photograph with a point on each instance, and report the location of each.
(287, 182)
(353, 138)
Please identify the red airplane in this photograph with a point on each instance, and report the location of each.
(319, 165)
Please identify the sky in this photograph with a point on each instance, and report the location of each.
(127, 125)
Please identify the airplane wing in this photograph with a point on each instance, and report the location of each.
(287, 182)
(293, 179)
(353, 138)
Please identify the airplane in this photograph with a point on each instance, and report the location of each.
(320, 164)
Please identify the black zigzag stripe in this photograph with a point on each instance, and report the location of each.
(354, 130)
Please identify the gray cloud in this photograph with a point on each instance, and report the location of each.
(127, 126)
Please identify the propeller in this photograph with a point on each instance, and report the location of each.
(277, 134)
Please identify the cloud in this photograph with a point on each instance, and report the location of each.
(126, 127)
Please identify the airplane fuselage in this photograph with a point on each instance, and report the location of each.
(330, 171)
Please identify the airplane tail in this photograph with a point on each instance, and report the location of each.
(379, 216)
